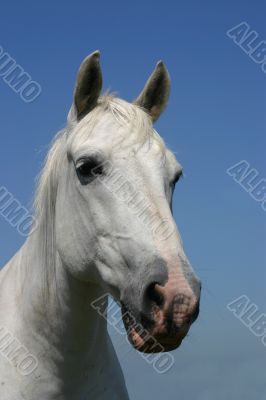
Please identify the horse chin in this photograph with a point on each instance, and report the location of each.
(143, 340)
(152, 345)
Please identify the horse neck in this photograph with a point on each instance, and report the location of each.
(57, 310)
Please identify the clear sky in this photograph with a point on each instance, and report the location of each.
(216, 118)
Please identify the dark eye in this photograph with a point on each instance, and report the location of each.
(176, 178)
(87, 170)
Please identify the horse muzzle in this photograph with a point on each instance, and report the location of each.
(164, 315)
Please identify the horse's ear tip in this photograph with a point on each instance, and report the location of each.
(162, 69)
(96, 54)
(160, 64)
(92, 57)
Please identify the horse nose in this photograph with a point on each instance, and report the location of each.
(173, 307)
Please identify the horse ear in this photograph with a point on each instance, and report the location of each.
(88, 86)
(155, 94)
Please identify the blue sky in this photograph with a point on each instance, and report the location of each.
(216, 117)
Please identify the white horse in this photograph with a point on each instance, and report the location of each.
(104, 224)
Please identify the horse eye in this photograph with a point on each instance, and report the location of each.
(89, 169)
(176, 178)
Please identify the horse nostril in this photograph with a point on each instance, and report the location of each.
(153, 295)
